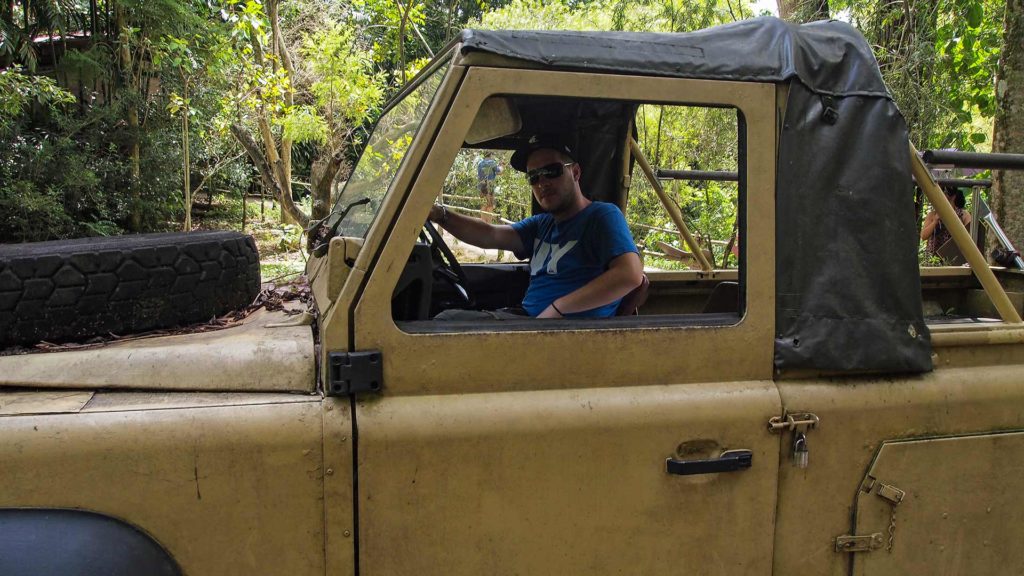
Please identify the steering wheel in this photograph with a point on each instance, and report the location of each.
(446, 266)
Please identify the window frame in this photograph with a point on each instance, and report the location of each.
(626, 347)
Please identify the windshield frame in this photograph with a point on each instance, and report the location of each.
(439, 68)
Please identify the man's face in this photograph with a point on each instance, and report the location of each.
(555, 195)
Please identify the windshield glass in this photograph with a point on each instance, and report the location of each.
(381, 158)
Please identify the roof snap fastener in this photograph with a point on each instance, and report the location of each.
(829, 114)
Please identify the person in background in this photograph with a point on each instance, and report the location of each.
(487, 170)
(934, 231)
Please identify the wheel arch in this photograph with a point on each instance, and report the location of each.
(78, 543)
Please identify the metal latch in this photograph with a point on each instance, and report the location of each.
(793, 422)
(860, 543)
(891, 494)
(354, 373)
(799, 423)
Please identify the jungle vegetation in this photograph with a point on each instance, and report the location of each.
(123, 116)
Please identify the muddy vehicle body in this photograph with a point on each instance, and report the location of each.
(798, 413)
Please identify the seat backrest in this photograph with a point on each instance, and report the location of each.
(634, 300)
(725, 297)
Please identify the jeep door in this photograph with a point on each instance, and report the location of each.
(543, 449)
(909, 475)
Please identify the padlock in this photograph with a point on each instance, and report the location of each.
(800, 450)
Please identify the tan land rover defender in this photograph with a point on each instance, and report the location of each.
(813, 404)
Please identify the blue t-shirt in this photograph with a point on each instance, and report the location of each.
(566, 256)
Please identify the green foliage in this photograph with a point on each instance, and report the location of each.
(635, 15)
(391, 19)
(66, 167)
(686, 138)
(253, 78)
(288, 236)
(304, 124)
(938, 58)
(29, 214)
(177, 53)
(18, 90)
(61, 181)
(87, 66)
(344, 85)
(545, 15)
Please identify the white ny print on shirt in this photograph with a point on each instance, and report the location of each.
(549, 254)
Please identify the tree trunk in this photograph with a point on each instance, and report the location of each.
(93, 29)
(270, 174)
(787, 8)
(803, 10)
(283, 159)
(1008, 131)
(401, 37)
(125, 61)
(325, 170)
(186, 161)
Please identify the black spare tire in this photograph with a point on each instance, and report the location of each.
(75, 289)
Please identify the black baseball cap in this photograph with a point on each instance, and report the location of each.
(539, 142)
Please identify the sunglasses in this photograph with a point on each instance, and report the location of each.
(549, 171)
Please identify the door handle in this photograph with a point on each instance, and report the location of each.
(729, 461)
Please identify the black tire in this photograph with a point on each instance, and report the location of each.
(70, 290)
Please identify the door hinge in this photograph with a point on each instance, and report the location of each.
(860, 543)
(354, 373)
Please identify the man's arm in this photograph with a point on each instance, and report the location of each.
(930, 222)
(624, 273)
(477, 232)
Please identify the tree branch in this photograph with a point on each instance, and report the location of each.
(216, 168)
(252, 149)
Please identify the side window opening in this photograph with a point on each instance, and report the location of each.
(694, 151)
(695, 154)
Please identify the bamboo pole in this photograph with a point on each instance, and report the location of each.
(675, 232)
(477, 212)
(673, 210)
(478, 199)
(627, 178)
(979, 338)
(962, 238)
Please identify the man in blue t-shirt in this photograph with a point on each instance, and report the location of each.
(582, 256)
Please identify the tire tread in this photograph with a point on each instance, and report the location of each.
(76, 289)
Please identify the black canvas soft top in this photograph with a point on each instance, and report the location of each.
(848, 287)
(828, 57)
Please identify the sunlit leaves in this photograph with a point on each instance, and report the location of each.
(18, 90)
(938, 58)
(634, 15)
(304, 124)
(344, 82)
